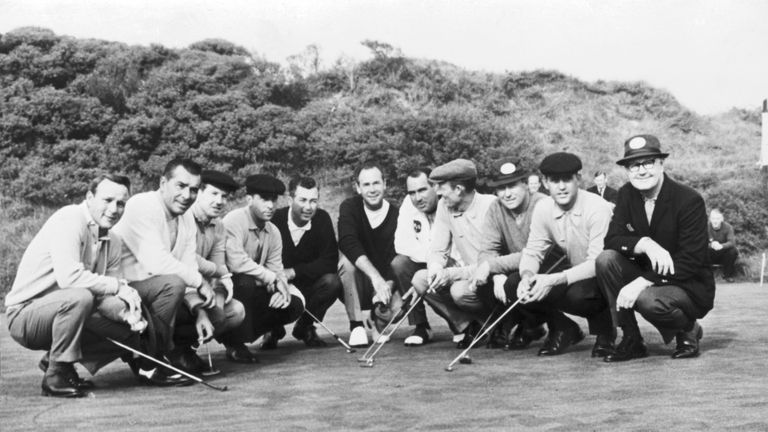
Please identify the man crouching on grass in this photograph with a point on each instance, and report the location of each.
(656, 260)
(67, 285)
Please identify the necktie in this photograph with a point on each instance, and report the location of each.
(650, 204)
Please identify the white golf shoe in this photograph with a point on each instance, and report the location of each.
(419, 337)
(358, 337)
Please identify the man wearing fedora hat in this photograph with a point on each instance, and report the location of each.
(507, 225)
(656, 260)
(254, 256)
(575, 221)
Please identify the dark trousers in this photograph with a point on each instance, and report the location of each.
(259, 317)
(65, 323)
(726, 258)
(582, 298)
(162, 296)
(404, 269)
(667, 307)
(319, 295)
(223, 317)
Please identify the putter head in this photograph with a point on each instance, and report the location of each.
(368, 364)
(465, 360)
(449, 368)
(210, 372)
(362, 359)
(351, 350)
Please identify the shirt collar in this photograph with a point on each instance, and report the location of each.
(101, 233)
(293, 227)
(576, 210)
(201, 218)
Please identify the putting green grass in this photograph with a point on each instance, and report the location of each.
(298, 389)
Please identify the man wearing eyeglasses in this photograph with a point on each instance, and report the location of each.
(656, 260)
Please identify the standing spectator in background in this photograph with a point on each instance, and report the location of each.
(601, 188)
(722, 244)
(534, 185)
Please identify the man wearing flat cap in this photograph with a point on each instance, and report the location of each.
(254, 256)
(367, 223)
(458, 224)
(656, 259)
(575, 221)
(507, 225)
(193, 323)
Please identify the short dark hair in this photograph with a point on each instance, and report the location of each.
(305, 182)
(417, 172)
(469, 184)
(365, 166)
(188, 164)
(600, 173)
(115, 178)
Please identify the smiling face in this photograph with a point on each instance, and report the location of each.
(534, 183)
(107, 204)
(179, 191)
(304, 205)
(563, 189)
(370, 185)
(212, 201)
(513, 196)
(645, 174)
(421, 193)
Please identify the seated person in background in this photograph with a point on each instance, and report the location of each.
(254, 256)
(601, 188)
(507, 225)
(367, 224)
(195, 324)
(310, 255)
(655, 260)
(722, 244)
(71, 264)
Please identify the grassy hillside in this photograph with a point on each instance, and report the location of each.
(71, 107)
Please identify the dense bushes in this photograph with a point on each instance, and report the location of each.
(70, 107)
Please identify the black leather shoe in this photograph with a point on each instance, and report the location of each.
(161, 377)
(559, 340)
(187, 360)
(688, 343)
(603, 346)
(469, 335)
(497, 339)
(630, 347)
(78, 382)
(523, 336)
(270, 340)
(309, 337)
(241, 354)
(59, 384)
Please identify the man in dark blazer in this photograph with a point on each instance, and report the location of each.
(656, 260)
(601, 188)
(310, 255)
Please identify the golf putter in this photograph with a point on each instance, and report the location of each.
(340, 340)
(369, 360)
(211, 371)
(365, 356)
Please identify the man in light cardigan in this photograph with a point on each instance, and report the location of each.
(72, 264)
(159, 258)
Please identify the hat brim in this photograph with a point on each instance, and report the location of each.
(623, 162)
(503, 181)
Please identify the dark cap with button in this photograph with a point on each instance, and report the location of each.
(507, 171)
(264, 184)
(220, 180)
(457, 169)
(641, 146)
(560, 164)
